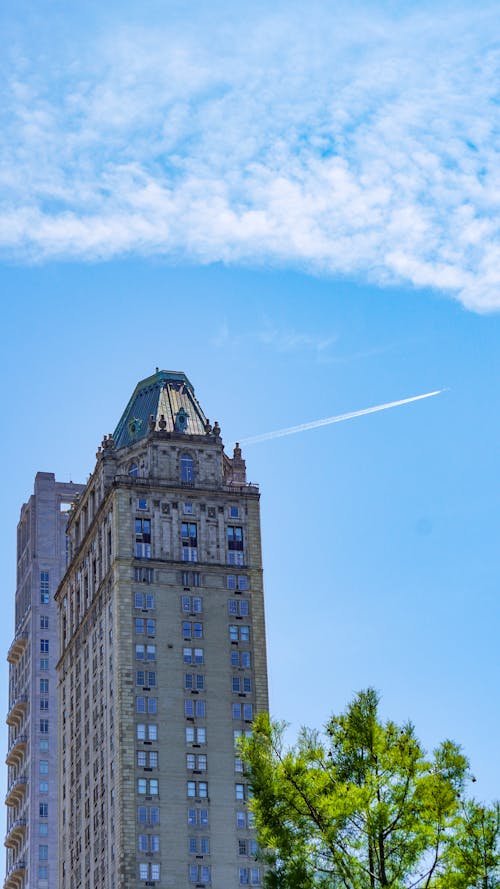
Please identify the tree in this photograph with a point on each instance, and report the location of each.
(363, 808)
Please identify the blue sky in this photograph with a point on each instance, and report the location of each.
(298, 208)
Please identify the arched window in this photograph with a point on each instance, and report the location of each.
(187, 468)
(133, 470)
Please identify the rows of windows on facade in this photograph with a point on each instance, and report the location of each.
(157, 630)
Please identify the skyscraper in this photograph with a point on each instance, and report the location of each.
(32, 782)
(163, 659)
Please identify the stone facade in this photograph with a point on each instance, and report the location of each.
(163, 658)
(32, 822)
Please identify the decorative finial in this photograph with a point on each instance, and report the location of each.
(216, 428)
(208, 427)
(163, 423)
(152, 421)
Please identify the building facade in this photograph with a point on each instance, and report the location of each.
(32, 783)
(163, 658)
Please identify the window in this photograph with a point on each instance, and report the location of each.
(143, 575)
(188, 508)
(191, 578)
(146, 678)
(234, 512)
(148, 814)
(189, 539)
(44, 664)
(44, 726)
(147, 787)
(44, 703)
(43, 830)
(237, 734)
(44, 587)
(142, 504)
(239, 633)
(194, 708)
(243, 711)
(241, 659)
(44, 686)
(234, 537)
(133, 470)
(145, 652)
(44, 621)
(144, 871)
(143, 538)
(187, 468)
(192, 604)
(240, 791)
(199, 845)
(241, 820)
(145, 704)
(240, 607)
(145, 625)
(44, 646)
(144, 600)
(43, 810)
(193, 655)
(196, 762)
(249, 876)
(43, 767)
(192, 630)
(194, 681)
(238, 764)
(237, 582)
(197, 789)
(43, 872)
(241, 684)
(43, 745)
(242, 847)
(141, 759)
(197, 817)
(199, 873)
(196, 735)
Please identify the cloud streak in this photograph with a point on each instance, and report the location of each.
(344, 143)
(316, 424)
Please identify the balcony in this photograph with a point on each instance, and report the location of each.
(17, 647)
(16, 750)
(15, 833)
(17, 710)
(15, 875)
(16, 791)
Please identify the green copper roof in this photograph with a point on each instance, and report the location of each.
(167, 394)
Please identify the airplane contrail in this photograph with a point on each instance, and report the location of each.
(303, 427)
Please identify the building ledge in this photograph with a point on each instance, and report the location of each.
(15, 833)
(16, 791)
(17, 647)
(17, 710)
(16, 750)
(16, 874)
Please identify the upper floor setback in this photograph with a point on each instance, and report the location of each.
(163, 439)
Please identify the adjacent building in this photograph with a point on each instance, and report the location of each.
(162, 655)
(32, 784)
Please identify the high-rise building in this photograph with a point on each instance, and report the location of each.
(163, 658)
(32, 782)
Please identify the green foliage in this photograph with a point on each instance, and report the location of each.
(364, 807)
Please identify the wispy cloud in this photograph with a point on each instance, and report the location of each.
(342, 143)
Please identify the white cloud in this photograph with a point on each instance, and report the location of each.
(342, 143)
